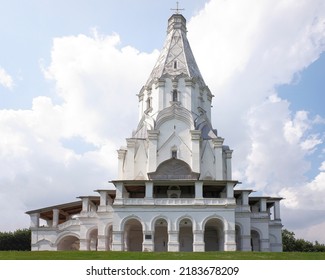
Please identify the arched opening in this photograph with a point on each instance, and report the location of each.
(214, 235)
(161, 235)
(255, 241)
(133, 235)
(238, 238)
(69, 243)
(93, 240)
(185, 236)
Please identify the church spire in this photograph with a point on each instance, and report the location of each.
(176, 57)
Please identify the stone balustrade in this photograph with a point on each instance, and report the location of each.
(177, 201)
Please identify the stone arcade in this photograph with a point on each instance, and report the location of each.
(174, 190)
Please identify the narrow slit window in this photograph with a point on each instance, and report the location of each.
(174, 154)
(148, 103)
(175, 97)
(175, 64)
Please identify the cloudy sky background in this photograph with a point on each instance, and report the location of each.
(70, 72)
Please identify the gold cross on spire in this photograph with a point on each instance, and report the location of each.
(177, 8)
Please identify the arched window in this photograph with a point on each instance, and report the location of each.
(175, 64)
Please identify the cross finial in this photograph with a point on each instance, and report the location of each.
(177, 8)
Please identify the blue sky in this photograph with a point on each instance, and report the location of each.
(70, 72)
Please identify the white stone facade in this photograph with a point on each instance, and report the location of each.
(174, 190)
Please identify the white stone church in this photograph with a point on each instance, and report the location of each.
(174, 190)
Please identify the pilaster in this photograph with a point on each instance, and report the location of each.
(102, 243)
(228, 164)
(117, 241)
(130, 158)
(230, 241)
(265, 245)
(196, 137)
(121, 158)
(173, 243)
(198, 241)
(246, 243)
(55, 217)
(152, 150)
(148, 243)
(217, 145)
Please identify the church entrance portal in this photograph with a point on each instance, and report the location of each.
(185, 235)
(214, 235)
(133, 235)
(161, 235)
(255, 241)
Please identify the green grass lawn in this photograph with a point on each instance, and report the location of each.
(78, 255)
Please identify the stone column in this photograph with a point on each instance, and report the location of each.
(263, 205)
(119, 193)
(121, 160)
(198, 189)
(230, 189)
(217, 145)
(149, 193)
(277, 215)
(228, 164)
(55, 217)
(199, 193)
(245, 198)
(130, 144)
(149, 189)
(85, 204)
(34, 220)
(103, 198)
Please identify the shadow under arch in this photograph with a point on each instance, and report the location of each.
(185, 227)
(133, 234)
(214, 233)
(161, 234)
(68, 242)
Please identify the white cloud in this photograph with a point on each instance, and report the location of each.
(97, 83)
(5, 79)
(295, 129)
